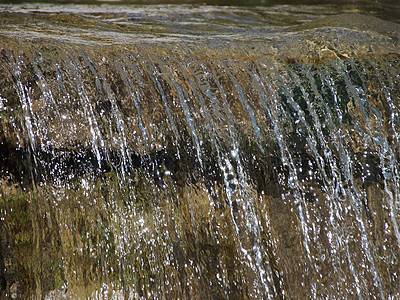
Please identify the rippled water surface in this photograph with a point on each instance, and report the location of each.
(123, 24)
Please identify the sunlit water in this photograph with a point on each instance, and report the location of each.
(192, 152)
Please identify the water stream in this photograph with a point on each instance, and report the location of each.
(198, 151)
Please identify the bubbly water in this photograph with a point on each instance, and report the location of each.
(192, 152)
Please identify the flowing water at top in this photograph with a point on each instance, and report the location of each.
(194, 151)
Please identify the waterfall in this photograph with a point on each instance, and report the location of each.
(232, 168)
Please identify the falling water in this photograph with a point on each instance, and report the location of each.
(250, 157)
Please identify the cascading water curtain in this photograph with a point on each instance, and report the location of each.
(127, 174)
